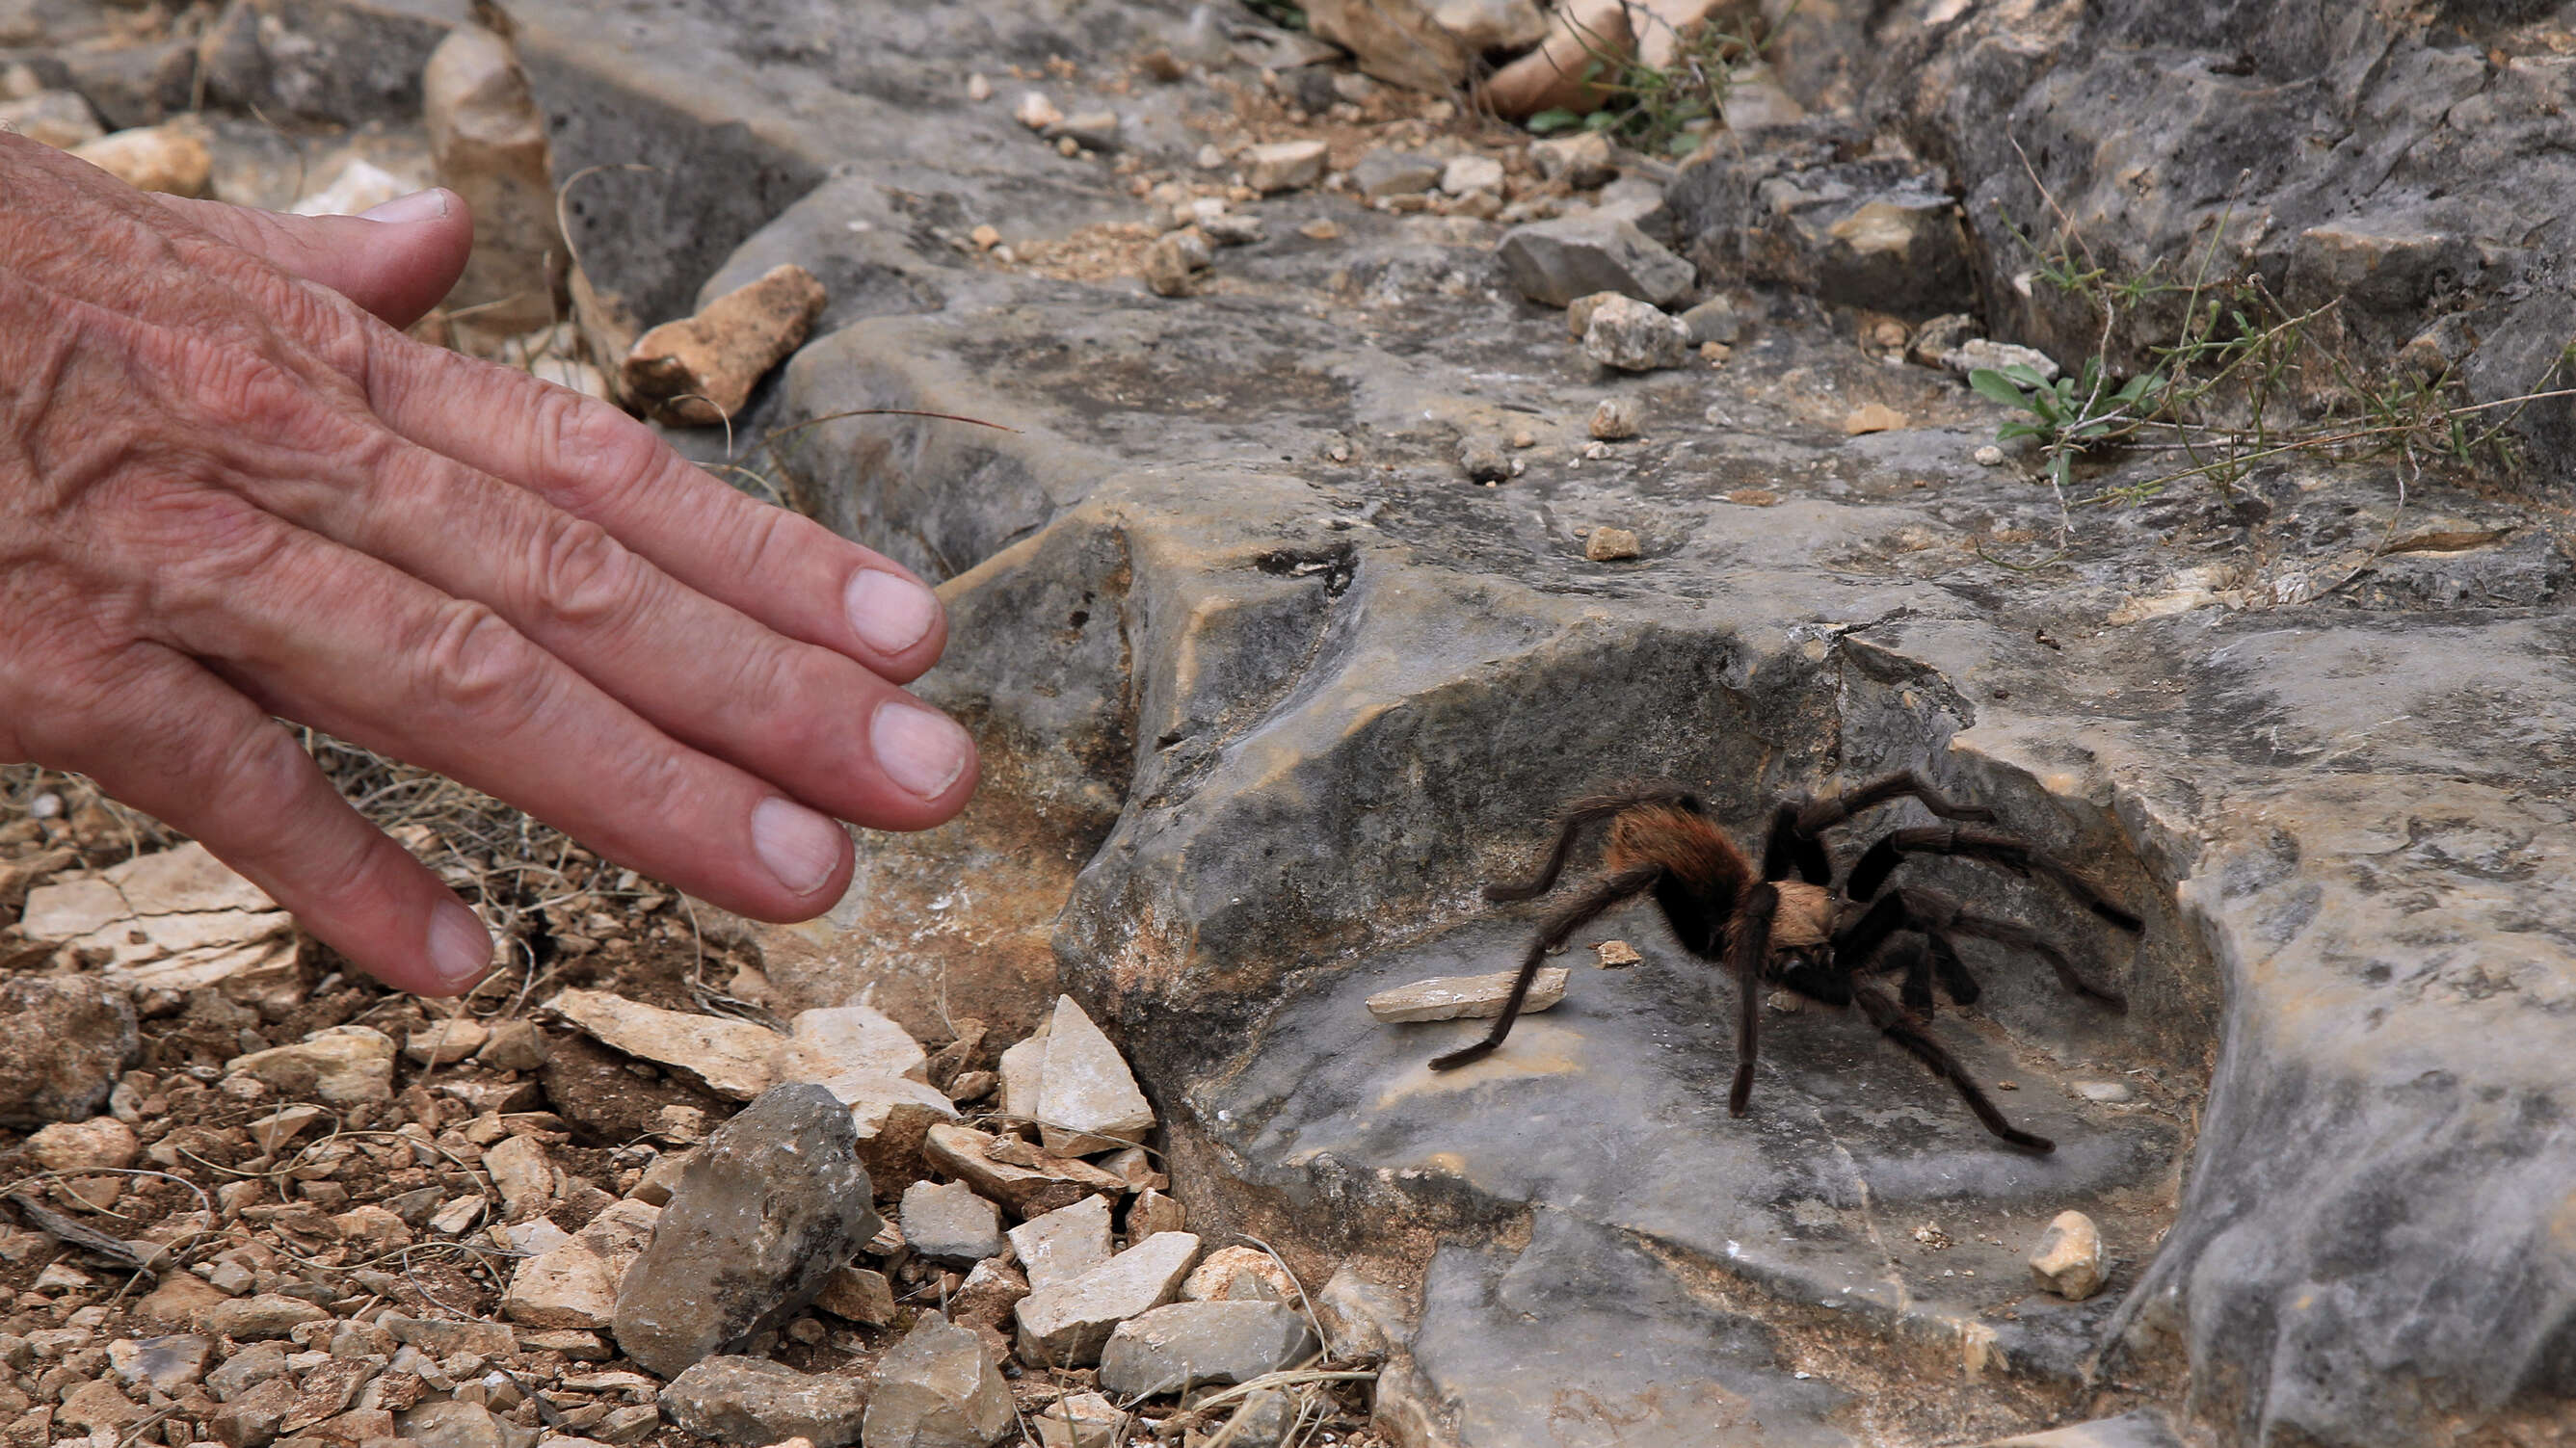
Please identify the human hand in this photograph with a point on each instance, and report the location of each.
(229, 492)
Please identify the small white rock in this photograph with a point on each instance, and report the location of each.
(1465, 997)
(1087, 1100)
(2068, 1259)
(1989, 456)
(1464, 174)
(1283, 165)
(1036, 112)
(978, 88)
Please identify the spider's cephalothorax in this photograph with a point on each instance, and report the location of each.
(1788, 926)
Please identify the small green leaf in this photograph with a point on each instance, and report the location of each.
(2011, 430)
(1548, 123)
(1600, 121)
(1993, 386)
(2061, 469)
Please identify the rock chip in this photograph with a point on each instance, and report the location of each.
(1634, 336)
(986, 1297)
(1173, 1348)
(2068, 1259)
(1066, 1325)
(735, 1058)
(1874, 417)
(98, 1404)
(341, 1066)
(574, 1285)
(755, 1401)
(513, 1045)
(1173, 262)
(445, 1042)
(1239, 1274)
(1583, 160)
(457, 1424)
(1023, 1069)
(1978, 352)
(891, 1115)
(60, 119)
(849, 1041)
(1035, 111)
(1553, 262)
(1385, 172)
(1464, 174)
(100, 1142)
(520, 1169)
(947, 1223)
(765, 1209)
(1087, 1098)
(269, 1314)
(252, 1419)
(1362, 1319)
(937, 1389)
(1470, 997)
(68, 1038)
(1283, 165)
(1065, 1243)
(1714, 320)
(444, 1337)
(165, 1364)
(859, 1294)
(1154, 1212)
(171, 158)
(700, 370)
(1611, 545)
(488, 138)
(1079, 1420)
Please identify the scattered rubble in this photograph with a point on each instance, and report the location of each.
(1468, 997)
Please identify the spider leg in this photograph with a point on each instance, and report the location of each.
(2004, 851)
(1893, 1022)
(1748, 947)
(1790, 846)
(1951, 971)
(1554, 930)
(1914, 958)
(1589, 810)
(1938, 917)
(1833, 809)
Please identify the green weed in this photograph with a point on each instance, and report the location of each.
(1660, 110)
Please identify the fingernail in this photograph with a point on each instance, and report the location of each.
(921, 749)
(891, 612)
(460, 950)
(429, 205)
(799, 846)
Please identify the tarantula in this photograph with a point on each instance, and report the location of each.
(1800, 934)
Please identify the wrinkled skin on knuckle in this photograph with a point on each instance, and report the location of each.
(469, 662)
(580, 575)
(594, 453)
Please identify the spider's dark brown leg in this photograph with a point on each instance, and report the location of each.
(1553, 931)
(1791, 847)
(1582, 812)
(1824, 814)
(2016, 855)
(1748, 949)
(1897, 1026)
(1938, 916)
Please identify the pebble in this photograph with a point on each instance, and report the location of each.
(978, 89)
(1066, 1325)
(1613, 419)
(1079, 1420)
(1091, 130)
(102, 1142)
(1209, 158)
(169, 158)
(1553, 262)
(1087, 1098)
(1171, 268)
(458, 1215)
(513, 1046)
(1320, 229)
(1152, 1212)
(1239, 1274)
(859, 1294)
(766, 1208)
(1061, 1245)
(359, 187)
(1583, 160)
(488, 139)
(1187, 1343)
(1714, 320)
(1874, 417)
(1616, 954)
(444, 1338)
(1978, 352)
(840, 1040)
(269, 1314)
(341, 1066)
(985, 1299)
(1634, 336)
(1484, 460)
(1283, 165)
(1382, 173)
(445, 1042)
(947, 1223)
(700, 370)
(753, 1400)
(1469, 173)
(1989, 456)
(2068, 1259)
(164, 1364)
(573, 1285)
(1035, 111)
(69, 1038)
(937, 1389)
(60, 119)
(1467, 997)
(1234, 229)
(1610, 545)
(1938, 336)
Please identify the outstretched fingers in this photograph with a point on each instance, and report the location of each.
(171, 739)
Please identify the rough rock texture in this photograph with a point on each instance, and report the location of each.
(68, 1039)
(937, 1389)
(1065, 1243)
(700, 370)
(947, 1223)
(755, 1401)
(1186, 1343)
(765, 1209)
(1294, 708)
(736, 1058)
(1087, 1098)
(489, 140)
(344, 1065)
(1066, 1324)
(1553, 262)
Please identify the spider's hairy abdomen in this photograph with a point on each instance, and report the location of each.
(1696, 852)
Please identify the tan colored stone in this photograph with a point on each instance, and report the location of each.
(1065, 1243)
(1283, 165)
(1031, 1190)
(1153, 1212)
(849, 1040)
(2068, 1260)
(1426, 45)
(700, 370)
(100, 1142)
(574, 1285)
(60, 119)
(1235, 1274)
(1609, 545)
(342, 1066)
(489, 141)
(1087, 1098)
(859, 1295)
(444, 1042)
(734, 1058)
(1874, 417)
(1467, 997)
(171, 158)
(1066, 1325)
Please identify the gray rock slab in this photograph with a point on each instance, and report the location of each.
(947, 1223)
(1553, 262)
(1066, 1325)
(765, 1209)
(755, 1401)
(1178, 1346)
(1065, 1243)
(937, 1389)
